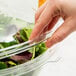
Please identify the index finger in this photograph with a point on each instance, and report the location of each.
(44, 19)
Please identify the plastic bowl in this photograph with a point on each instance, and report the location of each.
(30, 67)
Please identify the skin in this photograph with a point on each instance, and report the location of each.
(48, 15)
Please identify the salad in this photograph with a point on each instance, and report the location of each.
(21, 36)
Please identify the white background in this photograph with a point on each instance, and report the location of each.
(23, 9)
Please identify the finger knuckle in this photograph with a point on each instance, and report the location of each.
(58, 38)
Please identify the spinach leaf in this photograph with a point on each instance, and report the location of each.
(7, 44)
(2, 65)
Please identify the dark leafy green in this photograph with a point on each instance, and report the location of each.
(3, 65)
(7, 44)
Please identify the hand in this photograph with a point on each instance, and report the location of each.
(47, 16)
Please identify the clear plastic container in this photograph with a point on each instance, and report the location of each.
(29, 68)
(12, 14)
